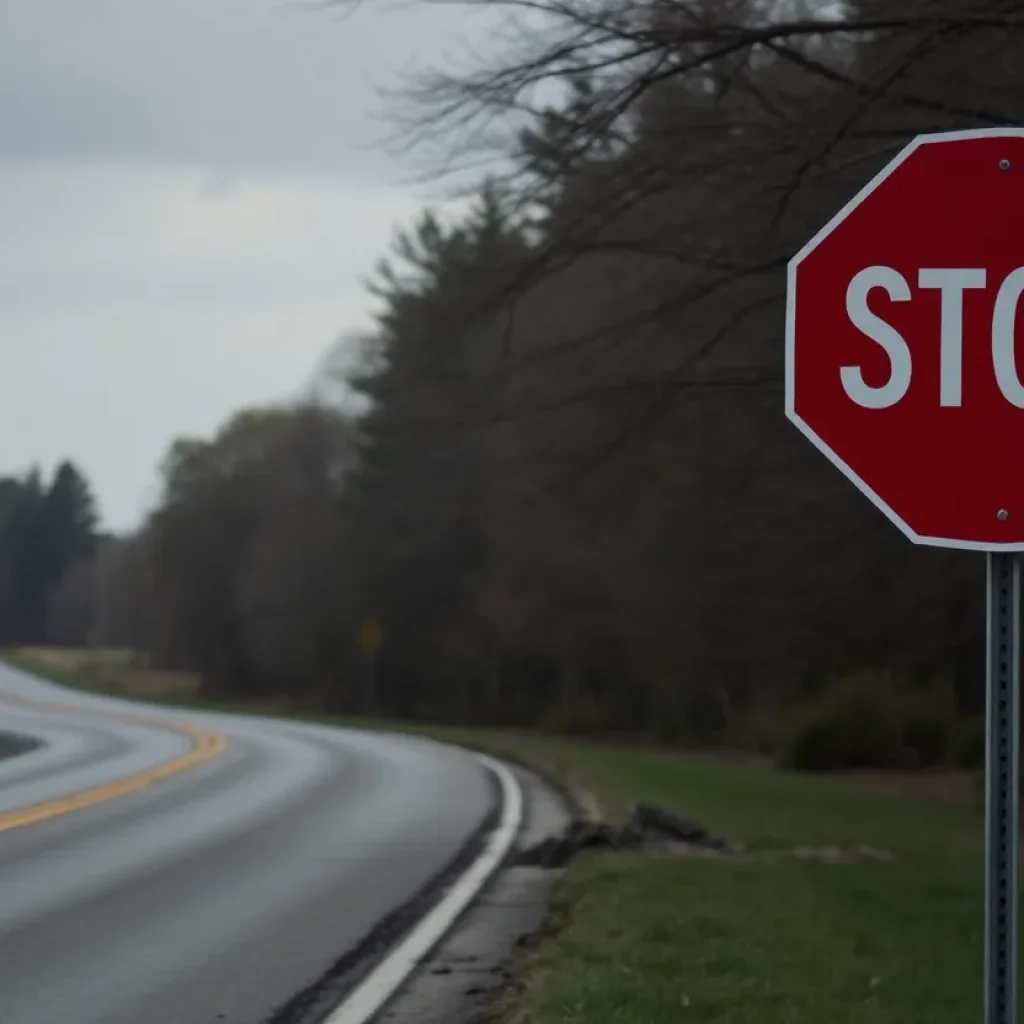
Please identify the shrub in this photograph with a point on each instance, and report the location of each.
(856, 723)
(582, 717)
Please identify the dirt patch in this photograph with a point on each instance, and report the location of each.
(114, 671)
(54, 657)
(148, 683)
(946, 786)
(651, 830)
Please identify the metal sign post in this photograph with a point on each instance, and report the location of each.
(1002, 788)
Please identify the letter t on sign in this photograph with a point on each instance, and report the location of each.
(951, 283)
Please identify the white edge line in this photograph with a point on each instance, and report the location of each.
(790, 358)
(374, 991)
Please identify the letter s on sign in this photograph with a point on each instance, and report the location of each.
(882, 333)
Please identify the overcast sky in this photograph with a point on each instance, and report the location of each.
(190, 194)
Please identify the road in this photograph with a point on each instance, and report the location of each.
(210, 866)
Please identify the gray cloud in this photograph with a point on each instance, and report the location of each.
(240, 85)
(76, 234)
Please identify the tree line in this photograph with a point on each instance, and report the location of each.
(573, 500)
(48, 532)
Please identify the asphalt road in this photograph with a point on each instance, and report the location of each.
(210, 866)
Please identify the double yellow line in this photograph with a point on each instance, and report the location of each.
(206, 745)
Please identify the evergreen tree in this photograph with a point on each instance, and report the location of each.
(44, 530)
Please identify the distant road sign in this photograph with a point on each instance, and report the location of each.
(370, 637)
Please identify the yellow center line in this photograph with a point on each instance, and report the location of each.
(206, 745)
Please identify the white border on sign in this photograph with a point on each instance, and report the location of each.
(791, 414)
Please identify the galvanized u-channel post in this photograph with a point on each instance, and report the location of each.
(1002, 788)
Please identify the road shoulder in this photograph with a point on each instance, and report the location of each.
(470, 970)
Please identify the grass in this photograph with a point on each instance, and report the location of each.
(107, 671)
(766, 937)
(654, 940)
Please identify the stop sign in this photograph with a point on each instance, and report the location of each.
(902, 321)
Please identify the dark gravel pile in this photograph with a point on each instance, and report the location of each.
(646, 828)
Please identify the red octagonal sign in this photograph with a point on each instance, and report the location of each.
(902, 322)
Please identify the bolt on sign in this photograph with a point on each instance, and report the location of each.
(903, 366)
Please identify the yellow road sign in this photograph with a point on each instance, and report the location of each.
(370, 637)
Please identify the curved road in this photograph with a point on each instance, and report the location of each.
(210, 867)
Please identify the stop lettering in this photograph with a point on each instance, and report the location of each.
(951, 283)
(903, 317)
